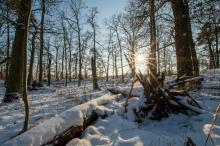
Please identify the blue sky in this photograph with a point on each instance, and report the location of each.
(106, 8)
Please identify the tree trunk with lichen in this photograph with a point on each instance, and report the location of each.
(15, 79)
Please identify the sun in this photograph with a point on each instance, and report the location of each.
(140, 63)
(140, 58)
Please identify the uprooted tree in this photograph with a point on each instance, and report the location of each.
(165, 99)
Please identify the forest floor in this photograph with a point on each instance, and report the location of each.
(44, 103)
(120, 128)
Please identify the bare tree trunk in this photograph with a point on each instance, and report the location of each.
(8, 47)
(15, 78)
(121, 55)
(153, 41)
(62, 65)
(44, 67)
(65, 53)
(49, 70)
(107, 69)
(94, 73)
(164, 59)
(69, 40)
(216, 47)
(113, 63)
(170, 66)
(49, 57)
(37, 70)
(116, 68)
(41, 43)
(132, 62)
(109, 53)
(30, 70)
(195, 63)
(1, 74)
(66, 66)
(183, 52)
(211, 56)
(56, 63)
(17, 75)
(25, 96)
(76, 64)
(80, 54)
(158, 52)
(91, 20)
(70, 64)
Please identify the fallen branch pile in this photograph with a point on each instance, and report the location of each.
(163, 100)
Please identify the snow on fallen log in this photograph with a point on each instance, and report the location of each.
(123, 91)
(63, 124)
(183, 81)
(193, 108)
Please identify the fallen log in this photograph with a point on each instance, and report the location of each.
(73, 132)
(125, 93)
(60, 129)
(183, 81)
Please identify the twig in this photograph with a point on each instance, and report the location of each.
(213, 121)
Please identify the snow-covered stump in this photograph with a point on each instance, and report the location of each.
(63, 127)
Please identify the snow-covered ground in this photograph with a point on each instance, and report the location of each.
(44, 103)
(121, 130)
(118, 129)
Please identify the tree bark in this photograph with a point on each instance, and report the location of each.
(17, 82)
(93, 60)
(211, 56)
(25, 96)
(132, 60)
(30, 70)
(183, 52)
(56, 64)
(121, 54)
(153, 40)
(91, 20)
(15, 78)
(216, 45)
(76, 65)
(195, 63)
(80, 53)
(70, 59)
(116, 68)
(66, 67)
(41, 43)
(8, 47)
(62, 64)
(49, 57)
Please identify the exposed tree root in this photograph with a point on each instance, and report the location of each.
(163, 100)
